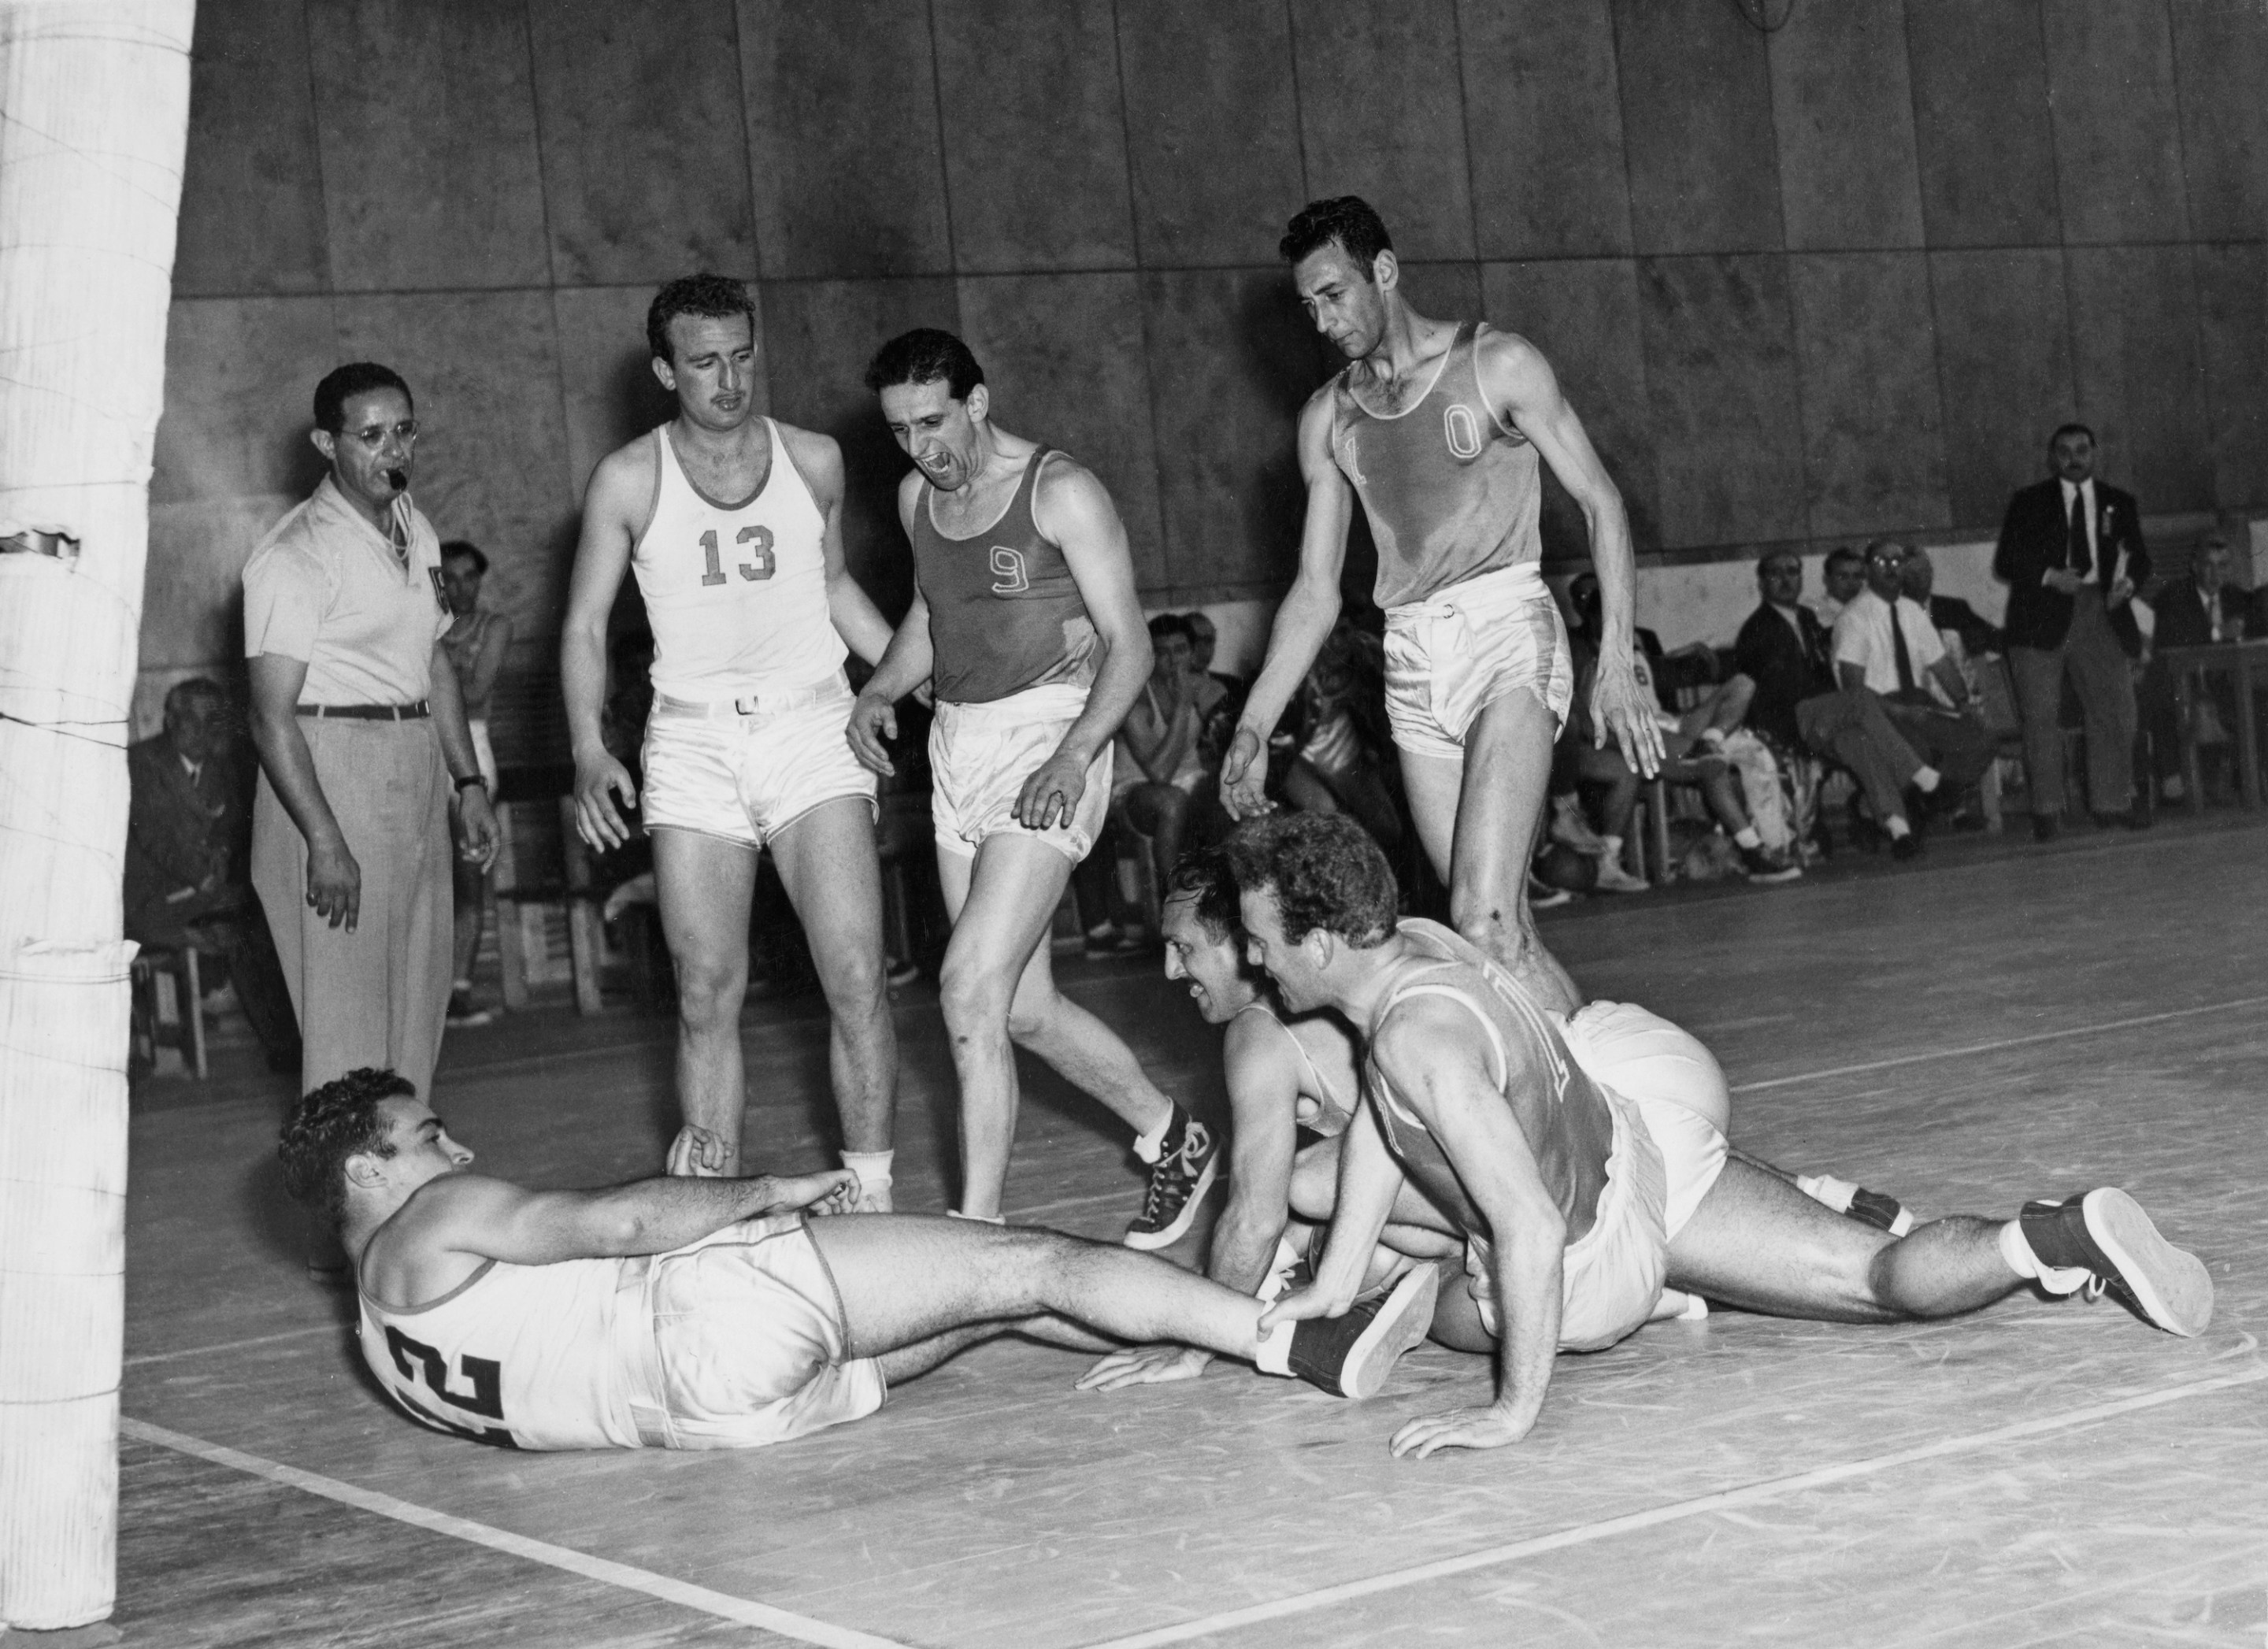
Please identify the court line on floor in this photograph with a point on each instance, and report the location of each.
(1730, 1500)
(337, 1328)
(2063, 1034)
(786, 1623)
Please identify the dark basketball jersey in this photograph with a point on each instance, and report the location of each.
(1451, 492)
(1004, 613)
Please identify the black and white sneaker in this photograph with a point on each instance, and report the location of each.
(1352, 1356)
(1187, 1163)
(1765, 868)
(2105, 1240)
(1884, 1212)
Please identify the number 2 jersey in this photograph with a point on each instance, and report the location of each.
(736, 594)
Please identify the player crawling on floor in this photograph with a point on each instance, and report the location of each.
(1575, 1204)
(717, 1313)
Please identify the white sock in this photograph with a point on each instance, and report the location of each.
(1279, 1273)
(872, 1168)
(981, 1219)
(1614, 848)
(1896, 825)
(1925, 779)
(462, 984)
(1825, 1188)
(1714, 736)
(1147, 1146)
(1746, 836)
(1272, 1351)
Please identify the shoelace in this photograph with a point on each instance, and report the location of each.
(1162, 1175)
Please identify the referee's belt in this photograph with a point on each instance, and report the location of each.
(367, 712)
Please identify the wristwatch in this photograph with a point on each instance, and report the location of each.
(471, 779)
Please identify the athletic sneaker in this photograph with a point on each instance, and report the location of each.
(1179, 1179)
(1613, 879)
(2105, 1240)
(463, 1012)
(1767, 867)
(1886, 1213)
(1542, 895)
(1569, 828)
(1352, 1356)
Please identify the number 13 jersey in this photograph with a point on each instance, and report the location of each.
(736, 593)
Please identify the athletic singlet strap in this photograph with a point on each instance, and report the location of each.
(1307, 1060)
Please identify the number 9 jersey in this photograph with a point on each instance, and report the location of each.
(736, 593)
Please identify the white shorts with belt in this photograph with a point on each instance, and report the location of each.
(1451, 656)
(744, 769)
(980, 755)
(749, 1343)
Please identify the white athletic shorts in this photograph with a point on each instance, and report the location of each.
(1450, 656)
(980, 755)
(751, 1345)
(1611, 1276)
(1675, 1083)
(745, 775)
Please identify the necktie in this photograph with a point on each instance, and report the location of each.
(1898, 646)
(2076, 556)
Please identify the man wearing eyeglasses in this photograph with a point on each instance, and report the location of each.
(363, 743)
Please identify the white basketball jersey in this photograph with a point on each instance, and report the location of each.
(520, 1356)
(736, 594)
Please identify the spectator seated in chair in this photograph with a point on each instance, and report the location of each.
(188, 838)
(1342, 764)
(2198, 611)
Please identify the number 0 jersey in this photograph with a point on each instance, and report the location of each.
(736, 593)
(1005, 612)
(522, 1355)
(1450, 491)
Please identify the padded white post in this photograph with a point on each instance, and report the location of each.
(96, 99)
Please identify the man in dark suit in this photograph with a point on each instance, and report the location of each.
(1918, 581)
(2071, 555)
(186, 834)
(1783, 649)
(2203, 608)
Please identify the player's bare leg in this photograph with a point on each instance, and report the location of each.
(704, 885)
(827, 864)
(998, 992)
(1478, 820)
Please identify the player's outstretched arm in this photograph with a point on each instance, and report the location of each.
(1524, 389)
(819, 460)
(1431, 1051)
(614, 514)
(1263, 1094)
(905, 664)
(1074, 512)
(470, 1214)
(1303, 622)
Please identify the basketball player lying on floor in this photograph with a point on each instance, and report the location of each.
(711, 1313)
(1576, 1204)
(1288, 1073)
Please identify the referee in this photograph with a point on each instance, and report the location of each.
(363, 743)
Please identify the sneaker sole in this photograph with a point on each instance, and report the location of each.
(1401, 1322)
(2170, 1285)
(1166, 1236)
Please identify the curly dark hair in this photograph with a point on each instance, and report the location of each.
(1349, 219)
(924, 356)
(1326, 872)
(1204, 875)
(711, 296)
(337, 1121)
(343, 384)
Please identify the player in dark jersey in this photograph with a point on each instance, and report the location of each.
(1025, 619)
(1440, 427)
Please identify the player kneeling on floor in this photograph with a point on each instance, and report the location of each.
(1578, 1205)
(716, 1313)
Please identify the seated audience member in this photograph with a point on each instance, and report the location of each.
(1340, 766)
(188, 835)
(1886, 645)
(1159, 768)
(2203, 608)
(1949, 613)
(476, 641)
(1693, 744)
(1844, 575)
(1209, 686)
(1799, 705)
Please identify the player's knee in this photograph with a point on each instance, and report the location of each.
(1029, 1013)
(972, 996)
(856, 983)
(1314, 1187)
(708, 990)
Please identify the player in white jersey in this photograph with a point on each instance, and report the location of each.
(732, 523)
(711, 1314)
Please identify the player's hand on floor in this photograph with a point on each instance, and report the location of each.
(1050, 796)
(1457, 1428)
(872, 721)
(1145, 1365)
(696, 1153)
(830, 1192)
(1244, 775)
(599, 781)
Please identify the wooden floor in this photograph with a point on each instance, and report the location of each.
(2002, 1022)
